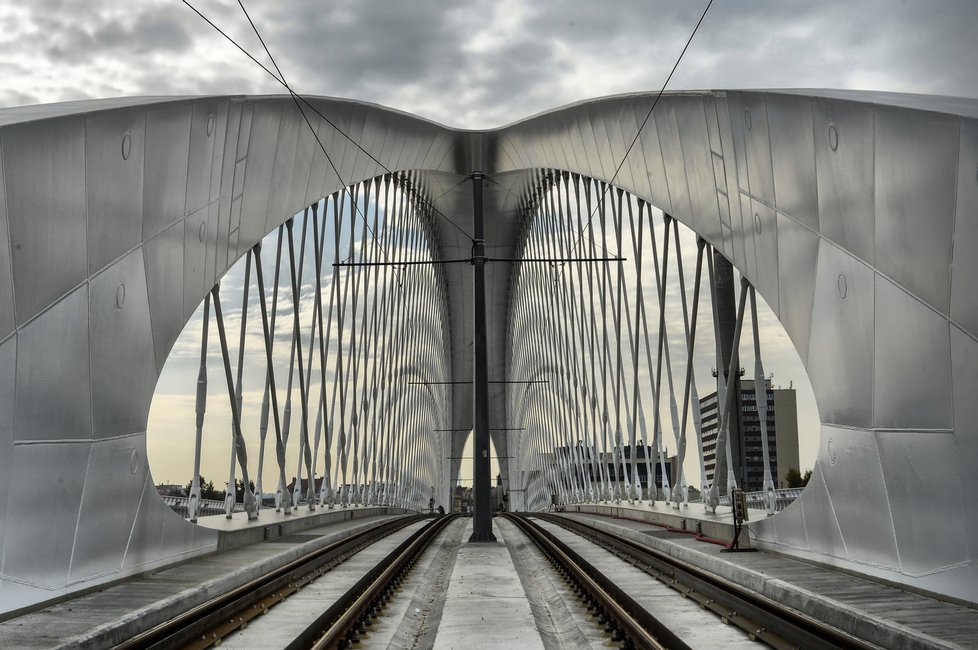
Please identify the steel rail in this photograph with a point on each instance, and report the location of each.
(209, 622)
(764, 619)
(630, 622)
(341, 624)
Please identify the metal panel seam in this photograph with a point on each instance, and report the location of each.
(81, 500)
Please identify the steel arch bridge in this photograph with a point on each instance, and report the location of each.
(854, 215)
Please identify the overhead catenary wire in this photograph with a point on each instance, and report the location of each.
(549, 178)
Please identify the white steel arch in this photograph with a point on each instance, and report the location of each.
(855, 215)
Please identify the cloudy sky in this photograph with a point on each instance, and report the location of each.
(483, 64)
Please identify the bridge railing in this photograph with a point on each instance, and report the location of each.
(757, 501)
(181, 506)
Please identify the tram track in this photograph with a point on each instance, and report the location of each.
(627, 621)
(349, 613)
(210, 622)
(761, 618)
(347, 618)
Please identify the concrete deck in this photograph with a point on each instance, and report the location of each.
(886, 615)
(692, 518)
(115, 613)
(486, 605)
(486, 601)
(290, 618)
(238, 530)
(699, 629)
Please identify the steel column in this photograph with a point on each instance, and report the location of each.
(481, 479)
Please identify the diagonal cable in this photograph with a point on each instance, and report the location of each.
(233, 42)
(299, 98)
(638, 133)
(281, 79)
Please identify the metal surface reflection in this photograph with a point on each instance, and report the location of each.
(854, 190)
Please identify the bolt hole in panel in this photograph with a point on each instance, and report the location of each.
(845, 176)
(123, 364)
(757, 147)
(114, 184)
(841, 348)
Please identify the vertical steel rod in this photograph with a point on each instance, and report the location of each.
(286, 503)
(263, 420)
(230, 495)
(728, 411)
(760, 402)
(303, 389)
(239, 442)
(200, 408)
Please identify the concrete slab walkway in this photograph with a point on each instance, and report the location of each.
(883, 614)
(117, 612)
(486, 606)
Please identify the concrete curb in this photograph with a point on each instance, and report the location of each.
(139, 620)
(885, 633)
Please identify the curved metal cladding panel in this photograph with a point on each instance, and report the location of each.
(854, 214)
(116, 217)
(843, 209)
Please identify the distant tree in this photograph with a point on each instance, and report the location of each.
(207, 490)
(793, 478)
(796, 479)
(239, 489)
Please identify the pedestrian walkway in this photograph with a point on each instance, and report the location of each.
(111, 615)
(883, 614)
(486, 605)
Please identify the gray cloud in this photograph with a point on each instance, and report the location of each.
(69, 44)
(160, 31)
(482, 64)
(10, 97)
(368, 46)
(155, 32)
